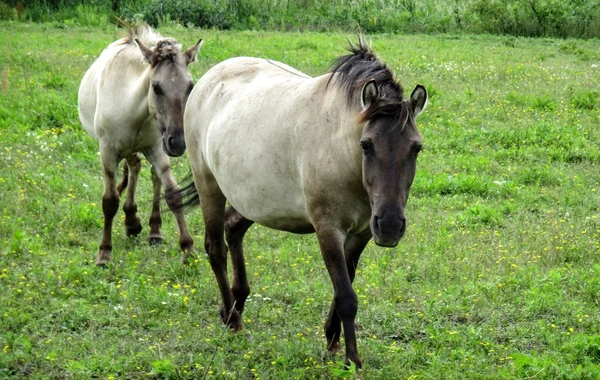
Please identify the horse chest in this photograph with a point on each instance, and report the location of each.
(137, 137)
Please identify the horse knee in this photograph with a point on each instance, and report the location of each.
(216, 250)
(110, 205)
(174, 200)
(346, 306)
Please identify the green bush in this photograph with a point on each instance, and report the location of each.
(506, 17)
(6, 12)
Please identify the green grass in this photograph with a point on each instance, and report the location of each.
(497, 277)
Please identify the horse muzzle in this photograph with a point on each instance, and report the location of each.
(173, 145)
(388, 229)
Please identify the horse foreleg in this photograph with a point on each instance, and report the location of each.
(155, 236)
(110, 205)
(160, 162)
(235, 229)
(353, 248)
(331, 242)
(213, 210)
(133, 225)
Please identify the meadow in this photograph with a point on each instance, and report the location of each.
(498, 275)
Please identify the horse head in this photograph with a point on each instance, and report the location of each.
(390, 143)
(170, 86)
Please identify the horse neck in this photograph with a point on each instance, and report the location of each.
(344, 131)
(140, 86)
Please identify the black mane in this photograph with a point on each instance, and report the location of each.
(351, 72)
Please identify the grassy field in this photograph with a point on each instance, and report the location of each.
(497, 277)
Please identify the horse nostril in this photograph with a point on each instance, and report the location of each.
(376, 223)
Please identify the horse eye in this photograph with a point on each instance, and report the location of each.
(367, 146)
(417, 149)
(157, 90)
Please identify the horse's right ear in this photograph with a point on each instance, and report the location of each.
(369, 94)
(146, 51)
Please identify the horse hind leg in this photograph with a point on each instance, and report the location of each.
(212, 202)
(132, 167)
(235, 229)
(155, 237)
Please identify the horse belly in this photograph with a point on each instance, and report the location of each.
(276, 204)
(263, 185)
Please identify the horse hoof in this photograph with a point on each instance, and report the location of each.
(133, 231)
(185, 258)
(103, 257)
(155, 240)
(102, 262)
(232, 319)
(334, 347)
(356, 360)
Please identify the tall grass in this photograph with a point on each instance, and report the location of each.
(532, 18)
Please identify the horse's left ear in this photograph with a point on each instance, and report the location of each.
(369, 94)
(146, 51)
(191, 53)
(418, 100)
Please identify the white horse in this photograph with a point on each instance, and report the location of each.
(132, 101)
(335, 155)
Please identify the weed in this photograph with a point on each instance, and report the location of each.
(586, 100)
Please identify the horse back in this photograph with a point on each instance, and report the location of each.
(111, 88)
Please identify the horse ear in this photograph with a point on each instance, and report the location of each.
(192, 52)
(418, 100)
(146, 51)
(369, 94)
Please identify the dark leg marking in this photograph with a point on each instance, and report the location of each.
(235, 229)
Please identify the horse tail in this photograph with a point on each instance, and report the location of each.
(188, 193)
(125, 181)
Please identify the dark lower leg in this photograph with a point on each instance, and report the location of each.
(163, 171)
(155, 236)
(235, 229)
(133, 224)
(174, 201)
(110, 205)
(353, 248)
(213, 213)
(332, 243)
